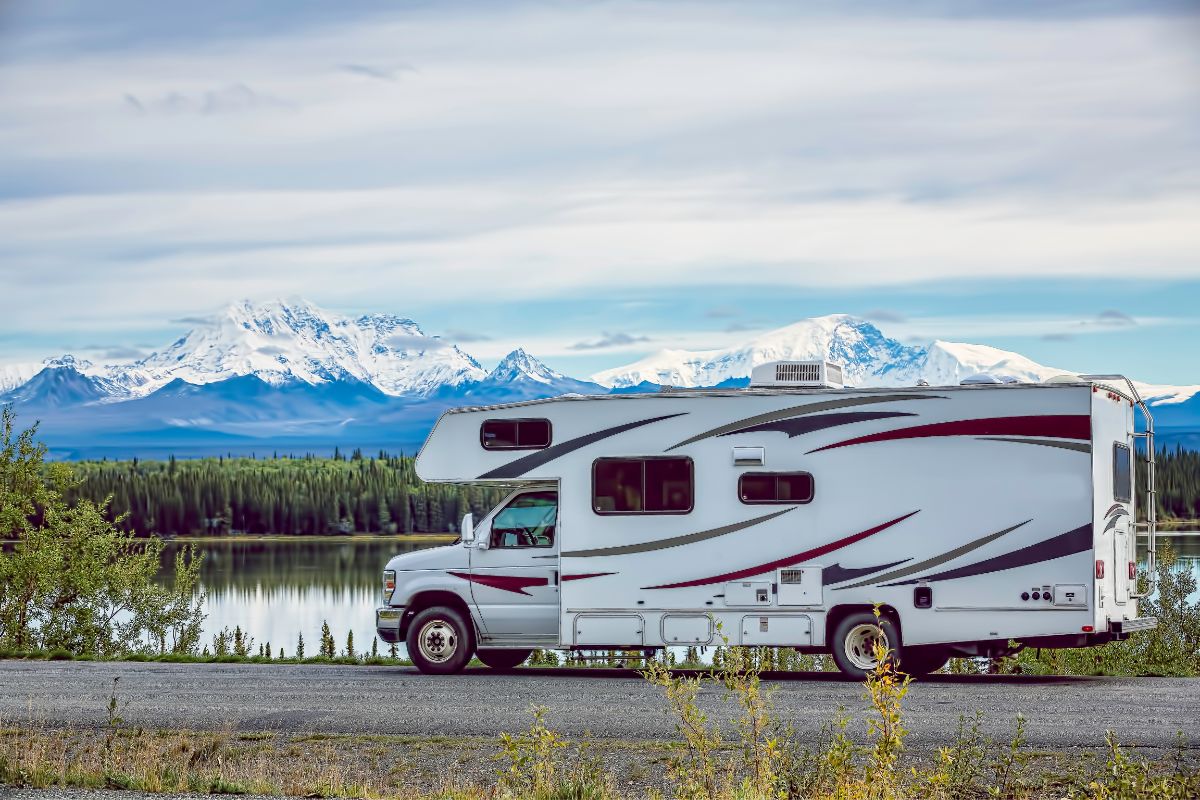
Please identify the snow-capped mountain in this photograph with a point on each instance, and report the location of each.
(289, 375)
(869, 358)
(520, 376)
(280, 342)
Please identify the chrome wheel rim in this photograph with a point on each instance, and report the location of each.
(438, 641)
(860, 645)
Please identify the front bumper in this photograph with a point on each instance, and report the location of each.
(388, 623)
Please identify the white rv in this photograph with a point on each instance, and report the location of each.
(975, 516)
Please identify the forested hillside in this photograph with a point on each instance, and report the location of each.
(279, 495)
(1177, 475)
(378, 494)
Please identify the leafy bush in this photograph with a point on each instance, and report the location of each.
(73, 580)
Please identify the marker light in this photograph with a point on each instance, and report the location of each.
(1099, 568)
(1088, 629)
(389, 584)
(1132, 570)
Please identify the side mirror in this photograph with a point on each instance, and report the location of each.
(468, 528)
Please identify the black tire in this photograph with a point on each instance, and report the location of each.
(850, 644)
(502, 658)
(921, 661)
(440, 641)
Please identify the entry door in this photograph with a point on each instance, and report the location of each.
(514, 580)
(1123, 553)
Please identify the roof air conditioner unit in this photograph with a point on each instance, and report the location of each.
(797, 373)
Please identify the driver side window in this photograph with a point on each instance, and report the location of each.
(528, 521)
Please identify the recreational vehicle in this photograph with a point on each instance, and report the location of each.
(978, 519)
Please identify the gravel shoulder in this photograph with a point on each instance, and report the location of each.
(1061, 713)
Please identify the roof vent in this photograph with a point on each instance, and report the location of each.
(797, 373)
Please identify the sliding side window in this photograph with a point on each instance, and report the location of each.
(515, 434)
(642, 485)
(775, 487)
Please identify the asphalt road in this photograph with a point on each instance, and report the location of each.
(1061, 713)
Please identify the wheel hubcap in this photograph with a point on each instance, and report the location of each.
(860, 645)
(438, 640)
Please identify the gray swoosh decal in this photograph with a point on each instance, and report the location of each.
(796, 411)
(1114, 519)
(937, 560)
(676, 541)
(1082, 447)
(518, 467)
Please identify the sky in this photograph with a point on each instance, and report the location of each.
(596, 181)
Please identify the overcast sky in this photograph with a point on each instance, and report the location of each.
(599, 180)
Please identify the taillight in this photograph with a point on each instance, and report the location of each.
(389, 584)
(1099, 568)
(1132, 570)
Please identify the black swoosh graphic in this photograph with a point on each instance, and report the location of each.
(798, 426)
(837, 573)
(518, 467)
(1065, 544)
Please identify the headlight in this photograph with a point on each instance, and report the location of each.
(389, 585)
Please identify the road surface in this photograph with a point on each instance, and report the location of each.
(1061, 713)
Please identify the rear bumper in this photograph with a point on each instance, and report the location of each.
(389, 623)
(1126, 626)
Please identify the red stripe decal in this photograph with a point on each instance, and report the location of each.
(1061, 426)
(785, 562)
(505, 583)
(586, 575)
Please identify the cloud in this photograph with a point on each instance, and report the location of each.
(191, 320)
(404, 341)
(466, 336)
(885, 315)
(117, 352)
(1056, 337)
(381, 73)
(722, 312)
(736, 327)
(1116, 318)
(234, 98)
(610, 340)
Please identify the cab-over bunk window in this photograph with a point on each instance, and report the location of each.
(775, 487)
(515, 434)
(642, 485)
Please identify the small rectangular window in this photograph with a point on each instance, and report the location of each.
(775, 487)
(1122, 474)
(642, 486)
(515, 434)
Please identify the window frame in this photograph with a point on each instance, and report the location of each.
(516, 421)
(513, 499)
(777, 502)
(1125, 495)
(691, 464)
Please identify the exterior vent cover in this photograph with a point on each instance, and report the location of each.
(791, 576)
(797, 373)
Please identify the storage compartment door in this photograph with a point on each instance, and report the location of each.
(687, 629)
(792, 630)
(617, 630)
(800, 586)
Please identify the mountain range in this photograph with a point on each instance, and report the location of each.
(287, 376)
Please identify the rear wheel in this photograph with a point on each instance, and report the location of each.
(440, 641)
(502, 658)
(854, 641)
(920, 661)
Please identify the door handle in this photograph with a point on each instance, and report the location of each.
(556, 577)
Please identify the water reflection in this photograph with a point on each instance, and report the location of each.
(279, 587)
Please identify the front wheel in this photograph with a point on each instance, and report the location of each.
(440, 641)
(502, 658)
(854, 643)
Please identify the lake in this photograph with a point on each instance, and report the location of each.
(278, 587)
